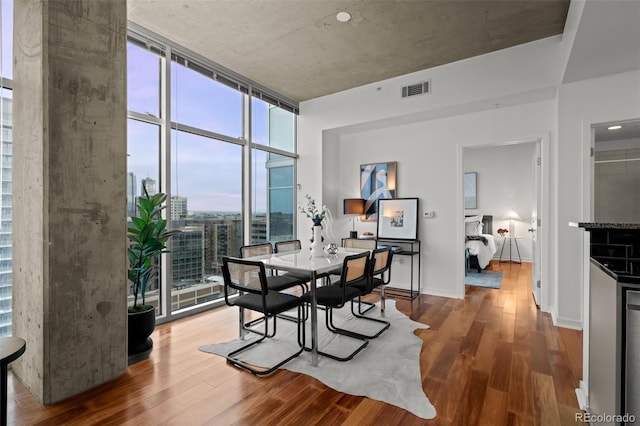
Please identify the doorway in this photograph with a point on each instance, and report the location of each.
(508, 186)
(616, 172)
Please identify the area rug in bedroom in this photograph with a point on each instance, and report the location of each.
(491, 279)
(387, 370)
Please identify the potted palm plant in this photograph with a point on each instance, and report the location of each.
(148, 236)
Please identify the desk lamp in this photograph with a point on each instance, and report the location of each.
(354, 207)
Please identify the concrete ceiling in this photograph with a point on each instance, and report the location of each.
(299, 49)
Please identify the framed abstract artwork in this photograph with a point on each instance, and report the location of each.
(398, 219)
(377, 181)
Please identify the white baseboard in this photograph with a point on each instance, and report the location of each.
(563, 322)
(554, 315)
(583, 396)
(440, 293)
(567, 323)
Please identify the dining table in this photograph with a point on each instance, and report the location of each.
(302, 262)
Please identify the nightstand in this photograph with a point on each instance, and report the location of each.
(512, 240)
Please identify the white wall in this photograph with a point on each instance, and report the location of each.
(582, 104)
(510, 95)
(507, 77)
(504, 181)
(426, 135)
(427, 153)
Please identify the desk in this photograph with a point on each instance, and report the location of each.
(10, 349)
(504, 243)
(300, 261)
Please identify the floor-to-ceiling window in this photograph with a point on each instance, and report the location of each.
(198, 135)
(187, 136)
(273, 207)
(6, 158)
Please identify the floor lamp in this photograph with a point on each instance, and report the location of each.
(354, 207)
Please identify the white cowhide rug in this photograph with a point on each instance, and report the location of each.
(388, 369)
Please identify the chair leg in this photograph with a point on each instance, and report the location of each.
(369, 306)
(330, 327)
(386, 324)
(232, 357)
(382, 300)
(304, 289)
(247, 326)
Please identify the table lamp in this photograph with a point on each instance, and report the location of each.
(354, 207)
(512, 216)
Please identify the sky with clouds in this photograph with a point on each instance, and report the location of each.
(206, 171)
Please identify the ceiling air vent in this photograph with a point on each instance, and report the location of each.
(416, 89)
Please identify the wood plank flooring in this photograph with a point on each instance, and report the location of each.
(492, 358)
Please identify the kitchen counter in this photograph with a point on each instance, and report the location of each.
(612, 365)
(609, 226)
(620, 278)
(615, 248)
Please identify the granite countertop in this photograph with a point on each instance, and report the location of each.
(604, 225)
(621, 278)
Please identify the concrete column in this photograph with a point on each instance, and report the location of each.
(69, 200)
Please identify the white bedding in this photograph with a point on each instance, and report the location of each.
(484, 253)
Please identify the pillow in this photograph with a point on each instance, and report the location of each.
(473, 225)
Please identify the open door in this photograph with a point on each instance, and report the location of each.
(535, 225)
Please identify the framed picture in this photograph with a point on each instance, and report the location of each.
(470, 199)
(377, 181)
(398, 219)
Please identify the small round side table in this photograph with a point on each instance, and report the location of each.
(11, 348)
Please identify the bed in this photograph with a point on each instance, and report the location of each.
(480, 245)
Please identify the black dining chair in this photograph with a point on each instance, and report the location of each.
(288, 246)
(245, 286)
(355, 268)
(275, 282)
(379, 266)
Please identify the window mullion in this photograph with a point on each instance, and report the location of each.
(165, 172)
(247, 208)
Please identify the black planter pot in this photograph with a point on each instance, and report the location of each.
(141, 325)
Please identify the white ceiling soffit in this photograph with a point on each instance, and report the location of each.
(299, 49)
(607, 40)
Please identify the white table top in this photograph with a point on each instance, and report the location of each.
(302, 261)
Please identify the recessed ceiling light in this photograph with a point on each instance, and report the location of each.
(614, 127)
(343, 16)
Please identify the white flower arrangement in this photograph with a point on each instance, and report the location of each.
(312, 211)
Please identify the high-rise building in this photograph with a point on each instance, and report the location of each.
(150, 184)
(6, 253)
(131, 194)
(259, 228)
(187, 266)
(178, 207)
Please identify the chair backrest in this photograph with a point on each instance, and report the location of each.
(256, 250)
(381, 262)
(361, 244)
(243, 275)
(285, 246)
(355, 268)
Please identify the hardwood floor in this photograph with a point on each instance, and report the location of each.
(492, 358)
